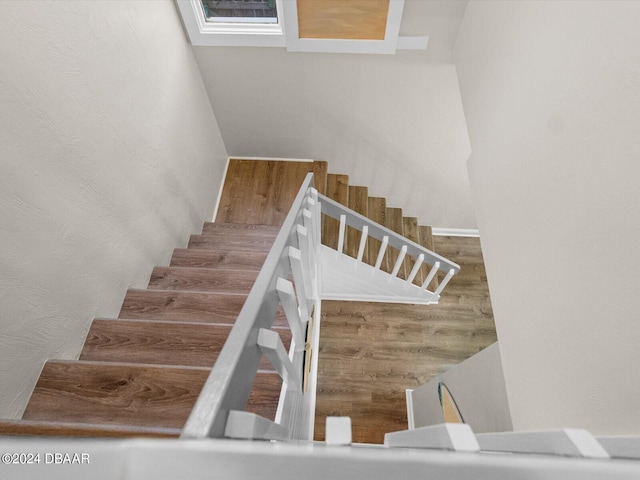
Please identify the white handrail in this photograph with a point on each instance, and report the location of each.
(229, 383)
(389, 238)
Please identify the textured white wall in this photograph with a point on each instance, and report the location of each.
(477, 386)
(551, 92)
(392, 122)
(110, 156)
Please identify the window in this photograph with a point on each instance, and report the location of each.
(275, 23)
(226, 22)
(240, 11)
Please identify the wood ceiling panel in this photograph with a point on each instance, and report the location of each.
(339, 19)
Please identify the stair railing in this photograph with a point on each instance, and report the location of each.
(295, 254)
(388, 238)
(219, 410)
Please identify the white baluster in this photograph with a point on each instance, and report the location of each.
(307, 221)
(289, 303)
(445, 281)
(298, 279)
(303, 246)
(416, 267)
(343, 223)
(272, 348)
(310, 201)
(307, 218)
(317, 220)
(396, 268)
(363, 242)
(432, 273)
(383, 247)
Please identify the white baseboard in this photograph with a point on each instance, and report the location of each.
(273, 159)
(224, 177)
(455, 232)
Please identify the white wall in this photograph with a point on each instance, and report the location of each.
(551, 92)
(110, 156)
(392, 122)
(477, 386)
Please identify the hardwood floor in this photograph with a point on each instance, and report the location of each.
(371, 352)
(261, 192)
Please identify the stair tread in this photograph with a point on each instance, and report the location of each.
(152, 342)
(338, 190)
(174, 305)
(131, 394)
(65, 429)
(202, 279)
(231, 242)
(218, 258)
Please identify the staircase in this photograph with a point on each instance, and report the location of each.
(141, 374)
(357, 198)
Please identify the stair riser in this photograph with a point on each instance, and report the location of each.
(234, 231)
(240, 245)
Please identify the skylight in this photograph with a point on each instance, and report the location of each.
(240, 11)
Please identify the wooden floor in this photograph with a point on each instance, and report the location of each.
(371, 352)
(261, 192)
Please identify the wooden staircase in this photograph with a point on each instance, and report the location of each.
(140, 374)
(357, 198)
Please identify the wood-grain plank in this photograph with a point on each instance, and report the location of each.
(240, 230)
(107, 393)
(358, 202)
(231, 242)
(393, 221)
(371, 352)
(174, 305)
(338, 190)
(60, 429)
(320, 168)
(160, 343)
(218, 258)
(264, 396)
(202, 280)
(260, 192)
(377, 211)
(130, 394)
